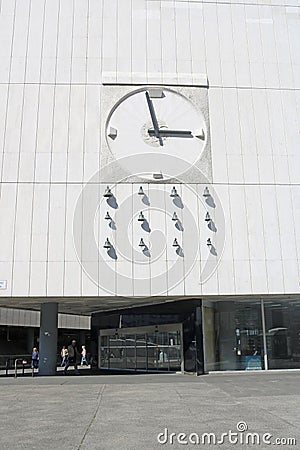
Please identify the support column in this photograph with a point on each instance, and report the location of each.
(264, 333)
(48, 339)
(199, 340)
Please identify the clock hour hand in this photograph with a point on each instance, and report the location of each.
(172, 133)
(156, 132)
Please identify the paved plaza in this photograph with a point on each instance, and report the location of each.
(128, 412)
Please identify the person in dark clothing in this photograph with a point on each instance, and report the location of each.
(73, 357)
(35, 358)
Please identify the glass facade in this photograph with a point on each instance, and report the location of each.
(283, 334)
(245, 334)
(249, 335)
(146, 348)
(161, 337)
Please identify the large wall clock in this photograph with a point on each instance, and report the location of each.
(157, 132)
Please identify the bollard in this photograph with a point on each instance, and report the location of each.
(6, 367)
(24, 362)
(16, 367)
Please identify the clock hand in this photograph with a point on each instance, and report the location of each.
(172, 133)
(154, 119)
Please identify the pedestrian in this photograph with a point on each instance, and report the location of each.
(73, 357)
(83, 356)
(64, 356)
(35, 358)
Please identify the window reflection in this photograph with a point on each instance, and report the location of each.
(233, 336)
(283, 333)
(133, 349)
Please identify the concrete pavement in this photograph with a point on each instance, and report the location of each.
(111, 412)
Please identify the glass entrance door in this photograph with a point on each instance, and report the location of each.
(151, 348)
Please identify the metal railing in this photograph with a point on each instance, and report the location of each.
(12, 365)
(14, 362)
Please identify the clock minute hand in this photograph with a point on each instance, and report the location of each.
(156, 132)
(169, 133)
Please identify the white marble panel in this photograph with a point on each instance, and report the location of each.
(45, 119)
(242, 276)
(26, 167)
(72, 280)
(275, 276)
(251, 173)
(291, 275)
(291, 121)
(29, 119)
(226, 277)
(226, 36)
(239, 224)
(259, 278)
(20, 280)
(10, 167)
(35, 41)
(124, 278)
(235, 126)
(76, 121)
(23, 221)
(72, 195)
(276, 122)
(55, 278)
(6, 34)
(3, 107)
(211, 284)
(271, 223)
(246, 116)
(218, 135)
(59, 167)
(19, 50)
(124, 40)
(13, 120)
(50, 28)
(57, 219)
(7, 199)
(90, 284)
(107, 277)
(42, 167)
(61, 119)
(255, 223)
(286, 223)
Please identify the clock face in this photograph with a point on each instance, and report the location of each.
(149, 126)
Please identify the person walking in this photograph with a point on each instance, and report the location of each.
(73, 357)
(83, 356)
(64, 356)
(35, 358)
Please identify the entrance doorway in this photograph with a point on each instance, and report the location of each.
(149, 348)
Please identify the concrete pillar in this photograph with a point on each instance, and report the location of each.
(30, 339)
(48, 339)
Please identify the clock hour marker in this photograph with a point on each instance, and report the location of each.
(113, 132)
(200, 134)
(156, 93)
(158, 176)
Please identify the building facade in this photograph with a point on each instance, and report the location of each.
(149, 155)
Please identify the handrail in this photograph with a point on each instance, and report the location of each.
(24, 362)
